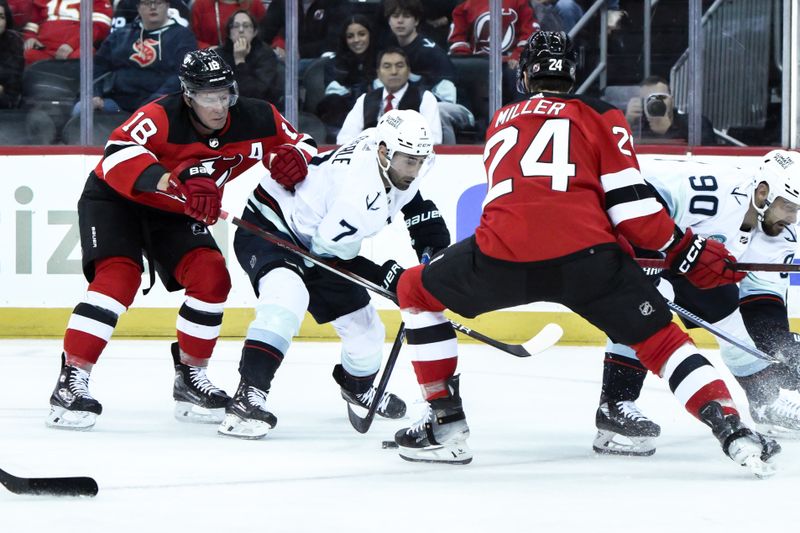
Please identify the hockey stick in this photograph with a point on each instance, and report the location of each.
(362, 425)
(547, 337)
(691, 317)
(49, 486)
(739, 267)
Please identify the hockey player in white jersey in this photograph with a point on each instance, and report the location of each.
(755, 217)
(350, 194)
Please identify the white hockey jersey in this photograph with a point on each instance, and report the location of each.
(341, 202)
(712, 200)
(767, 249)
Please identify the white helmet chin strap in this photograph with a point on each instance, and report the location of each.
(759, 210)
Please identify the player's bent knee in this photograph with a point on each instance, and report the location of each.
(363, 326)
(117, 279)
(282, 303)
(363, 335)
(204, 274)
(412, 295)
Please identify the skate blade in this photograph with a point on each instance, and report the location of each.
(611, 443)
(233, 426)
(194, 414)
(456, 453)
(777, 431)
(761, 469)
(61, 418)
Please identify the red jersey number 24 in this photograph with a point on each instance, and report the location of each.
(558, 170)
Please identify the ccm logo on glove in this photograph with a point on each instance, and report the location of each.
(692, 254)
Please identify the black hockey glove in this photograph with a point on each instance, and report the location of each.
(390, 275)
(427, 229)
(386, 275)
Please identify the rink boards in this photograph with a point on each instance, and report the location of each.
(41, 278)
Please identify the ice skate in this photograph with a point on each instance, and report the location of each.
(440, 436)
(246, 416)
(781, 418)
(196, 398)
(740, 443)
(71, 404)
(363, 394)
(623, 430)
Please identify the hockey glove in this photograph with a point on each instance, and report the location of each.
(706, 263)
(427, 229)
(287, 165)
(386, 275)
(192, 182)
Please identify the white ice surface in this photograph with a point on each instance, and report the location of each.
(532, 423)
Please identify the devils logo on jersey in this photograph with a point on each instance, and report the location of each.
(221, 167)
(482, 31)
(144, 52)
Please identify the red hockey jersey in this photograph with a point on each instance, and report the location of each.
(57, 22)
(159, 136)
(563, 177)
(469, 33)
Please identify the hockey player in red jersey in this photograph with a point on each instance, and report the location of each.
(563, 179)
(53, 31)
(183, 146)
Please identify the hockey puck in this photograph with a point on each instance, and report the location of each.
(389, 444)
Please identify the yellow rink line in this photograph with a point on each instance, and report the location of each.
(508, 326)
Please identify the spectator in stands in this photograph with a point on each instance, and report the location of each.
(548, 15)
(570, 12)
(210, 18)
(318, 26)
(53, 31)
(12, 61)
(21, 9)
(351, 73)
(470, 35)
(140, 62)
(430, 66)
(434, 23)
(397, 93)
(662, 122)
(255, 65)
(126, 11)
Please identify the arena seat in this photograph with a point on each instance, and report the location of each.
(103, 125)
(20, 127)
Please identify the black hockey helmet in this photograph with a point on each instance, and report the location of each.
(547, 54)
(204, 70)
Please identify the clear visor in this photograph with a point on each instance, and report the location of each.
(213, 99)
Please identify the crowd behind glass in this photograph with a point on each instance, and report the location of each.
(438, 56)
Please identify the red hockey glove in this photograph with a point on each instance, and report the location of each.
(203, 199)
(706, 263)
(288, 166)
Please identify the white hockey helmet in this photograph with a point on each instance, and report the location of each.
(780, 169)
(405, 131)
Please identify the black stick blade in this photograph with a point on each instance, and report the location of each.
(49, 486)
(361, 425)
